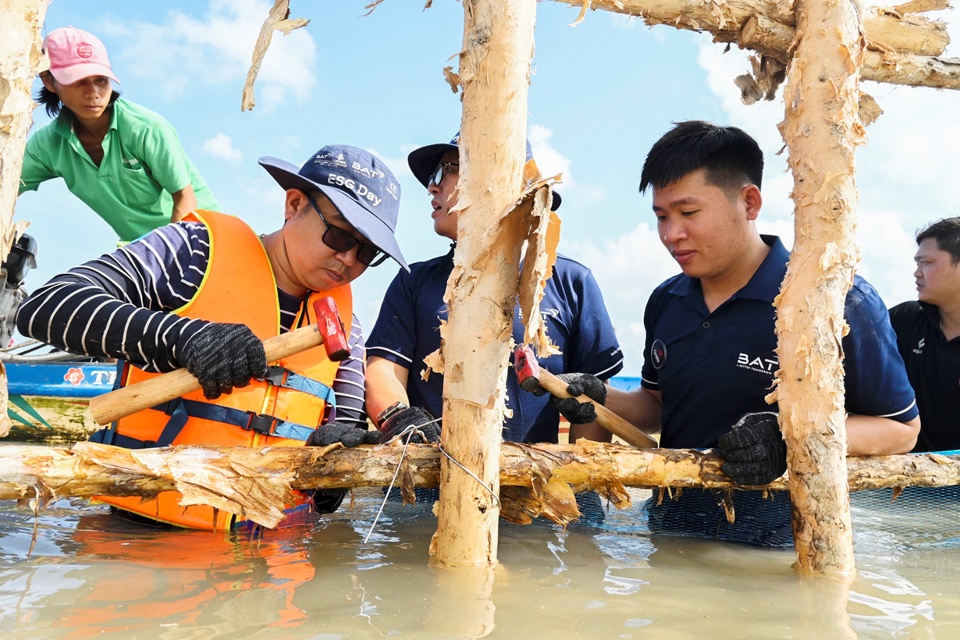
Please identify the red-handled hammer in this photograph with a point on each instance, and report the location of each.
(531, 376)
(328, 331)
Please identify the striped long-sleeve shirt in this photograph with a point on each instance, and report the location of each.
(118, 306)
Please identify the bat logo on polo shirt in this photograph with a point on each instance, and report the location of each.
(758, 364)
(658, 354)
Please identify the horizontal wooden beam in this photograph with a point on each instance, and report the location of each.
(902, 48)
(257, 482)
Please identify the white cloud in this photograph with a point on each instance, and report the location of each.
(552, 162)
(627, 269)
(184, 53)
(221, 146)
(625, 22)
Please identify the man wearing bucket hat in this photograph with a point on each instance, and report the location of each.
(204, 292)
(124, 161)
(407, 329)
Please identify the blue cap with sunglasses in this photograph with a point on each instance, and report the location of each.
(359, 185)
(425, 160)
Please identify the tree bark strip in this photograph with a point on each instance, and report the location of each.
(822, 129)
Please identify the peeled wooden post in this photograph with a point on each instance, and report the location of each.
(20, 61)
(481, 291)
(822, 128)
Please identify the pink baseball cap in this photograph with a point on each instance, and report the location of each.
(76, 54)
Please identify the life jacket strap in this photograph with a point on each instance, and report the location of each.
(181, 410)
(262, 423)
(282, 377)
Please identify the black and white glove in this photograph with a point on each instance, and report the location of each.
(578, 384)
(754, 450)
(346, 434)
(223, 356)
(398, 418)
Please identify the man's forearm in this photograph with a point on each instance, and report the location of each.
(184, 201)
(873, 436)
(386, 383)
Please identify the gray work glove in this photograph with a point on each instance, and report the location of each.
(398, 418)
(578, 384)
(346, 434)
(223, 356)
(328, 500)
(754, 450)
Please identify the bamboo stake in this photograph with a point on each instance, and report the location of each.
(822, 129)
(249, 480)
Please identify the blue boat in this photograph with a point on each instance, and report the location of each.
(68, 379)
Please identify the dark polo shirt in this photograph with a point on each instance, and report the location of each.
(711, 368)
(933, 367)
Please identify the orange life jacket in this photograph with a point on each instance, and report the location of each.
(281, 410)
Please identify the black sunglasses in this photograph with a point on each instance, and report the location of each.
(340, 240)
(442, 171)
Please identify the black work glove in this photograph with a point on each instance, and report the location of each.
(396, 422)
(346, 434)
(754, 450)
(223, 356)
(578, 384)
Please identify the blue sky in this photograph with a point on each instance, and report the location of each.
(602, 93)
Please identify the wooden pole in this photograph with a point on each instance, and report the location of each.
(822, 129)
(20, 61)
(481, 291)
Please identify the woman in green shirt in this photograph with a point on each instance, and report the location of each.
(124, 161)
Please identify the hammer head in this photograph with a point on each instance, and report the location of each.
(527, 368)
(331, 329)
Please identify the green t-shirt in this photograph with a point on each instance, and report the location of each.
(143, 163)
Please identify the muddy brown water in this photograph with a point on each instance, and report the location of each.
(92, 574)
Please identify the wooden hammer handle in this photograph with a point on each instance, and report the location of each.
(143, 395)
(605, 418)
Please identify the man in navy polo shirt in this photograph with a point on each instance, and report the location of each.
(408, 328)
(710, 358)
(928, 335)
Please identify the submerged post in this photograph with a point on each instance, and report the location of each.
(822, 129)
(481, 291)
(20, 60)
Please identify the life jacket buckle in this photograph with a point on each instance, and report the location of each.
(276, 375)
(260, 423)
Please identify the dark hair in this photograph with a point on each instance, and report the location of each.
(729, 157)
(947, 234)
(52, 104)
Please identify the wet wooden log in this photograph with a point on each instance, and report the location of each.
(256, 482)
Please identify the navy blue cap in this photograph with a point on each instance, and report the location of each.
(423, 162)
(359, 185)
